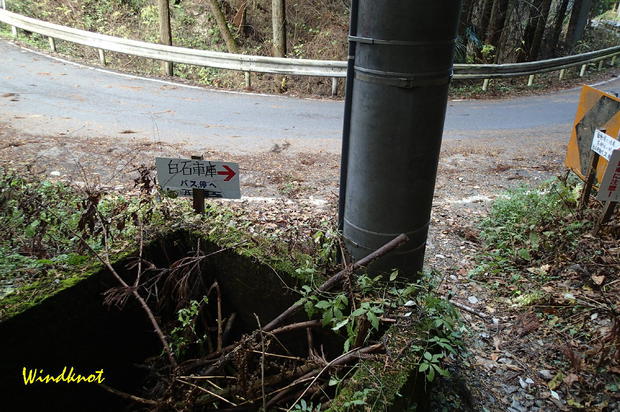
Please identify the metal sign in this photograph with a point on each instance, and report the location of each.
(610, 190)
(216, 179)
(604, 145)
(596, 110)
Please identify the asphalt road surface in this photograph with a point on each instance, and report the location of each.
(49, 96)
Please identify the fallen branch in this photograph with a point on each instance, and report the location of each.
(339, 277)
(128, 396)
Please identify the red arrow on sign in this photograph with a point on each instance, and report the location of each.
(229, 173)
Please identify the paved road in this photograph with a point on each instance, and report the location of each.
(43, 95)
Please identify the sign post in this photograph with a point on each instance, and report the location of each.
(609, 192)
(199, 179)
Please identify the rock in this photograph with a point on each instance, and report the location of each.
(510, 389)
(473, 300)
(517, 406)
(55, 173)
(545, 374)
(522, 383)
(529, 381)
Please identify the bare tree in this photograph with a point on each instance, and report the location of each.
(165, 34)
(278, 20)
(231, 44)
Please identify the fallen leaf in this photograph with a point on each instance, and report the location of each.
(570, 379)
(598, 280)
(556, 381)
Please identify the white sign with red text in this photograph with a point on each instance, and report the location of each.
(216, 179)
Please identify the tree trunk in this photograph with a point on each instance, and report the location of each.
(278, 20)
(532, 22)
(165, 34)
(560, 14)
(578, 20)
(483, 26)
(496, 24)
(222, 24)
(540, 29)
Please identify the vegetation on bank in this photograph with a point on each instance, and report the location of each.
(497, 31)
(50, 232)
(560, 283)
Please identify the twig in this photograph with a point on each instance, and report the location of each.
(296, 307)
(220, 335)
(344, 358)
(106, 262)
(337, 278)
(137, 281)
(262, 363)
(129, 396)
(207, 391)
(470, 310)
(295, 326)
(228, 326)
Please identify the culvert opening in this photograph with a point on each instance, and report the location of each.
(207, 300)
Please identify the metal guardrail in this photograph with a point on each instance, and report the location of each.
(275, 65)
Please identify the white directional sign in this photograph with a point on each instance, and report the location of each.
(610, 188)
(216, 179)
(603, 144)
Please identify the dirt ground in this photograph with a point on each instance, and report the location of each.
(505, 370)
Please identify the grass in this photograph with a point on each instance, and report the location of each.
(525, 224)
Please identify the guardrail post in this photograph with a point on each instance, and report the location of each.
(334, 86)
(101, 57)
(583, 70)
(248, 80)
(485, 85)
(561, 76)
(168, 70)
(600, 65)
(14, 31)
(613, 60)
(52, 44)
(530, 80)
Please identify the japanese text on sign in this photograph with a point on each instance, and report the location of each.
(609, 189)
(604, 145)
(216, 179)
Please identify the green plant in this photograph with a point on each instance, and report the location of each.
(303, 406)
(359, 398)
(526, 222)
(185, 334)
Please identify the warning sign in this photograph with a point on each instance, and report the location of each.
(596, 110)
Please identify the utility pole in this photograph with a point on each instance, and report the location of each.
(403, 67)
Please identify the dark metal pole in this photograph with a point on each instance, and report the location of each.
(403, 67)
(346, 128)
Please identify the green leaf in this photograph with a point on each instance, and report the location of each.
(340, 324)
(423, 367)
(431, 375)
(358, 312)
(524, 254)
(393, 275)
(323, 304)
(374, 320)
(428, 356)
